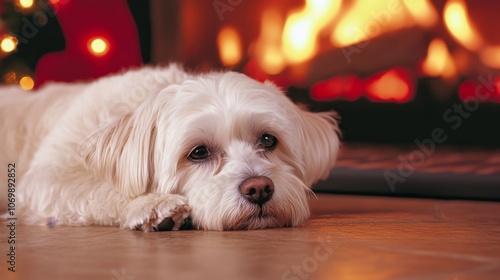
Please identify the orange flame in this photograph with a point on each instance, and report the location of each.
(438, 61)
(296, 39)
(422, 11)
(229, 42)
(366, 20)
(390, 86)
(458, 24)
(301, 30)
(490, 56)
(268, 47)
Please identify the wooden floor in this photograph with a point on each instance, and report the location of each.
(348, 237)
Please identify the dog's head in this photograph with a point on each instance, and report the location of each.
(242, 153)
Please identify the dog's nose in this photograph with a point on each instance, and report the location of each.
(258, 190)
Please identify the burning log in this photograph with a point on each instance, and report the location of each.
(408, 48)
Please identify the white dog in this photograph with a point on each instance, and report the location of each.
(158, 144)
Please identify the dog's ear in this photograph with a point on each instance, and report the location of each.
(320, 143)
(122, 152)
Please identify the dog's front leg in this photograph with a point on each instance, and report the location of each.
(71, 198)
(153, 212)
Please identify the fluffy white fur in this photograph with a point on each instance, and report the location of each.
(115, 151)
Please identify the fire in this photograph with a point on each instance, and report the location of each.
(268, 47)
(302, 34)
(288, 43)
(348, 87)
(230, 49)
(299, 43)
(490, 56)
(458, 24)
(366, 20)
(301, 30)
(422, 11)
(438, 61)
(490, 91)
(392, 85)
(358, 23)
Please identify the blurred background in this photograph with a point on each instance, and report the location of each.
(416, 82)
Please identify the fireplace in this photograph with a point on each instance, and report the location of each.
(394, 69)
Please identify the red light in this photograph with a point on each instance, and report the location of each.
(391, 86)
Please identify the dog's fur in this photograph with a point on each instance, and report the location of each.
(115, 151)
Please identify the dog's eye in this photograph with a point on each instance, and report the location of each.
(268, 141)
(199, 153)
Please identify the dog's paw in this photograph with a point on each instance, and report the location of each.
(153, 212)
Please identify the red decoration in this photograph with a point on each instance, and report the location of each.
(81, 22)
